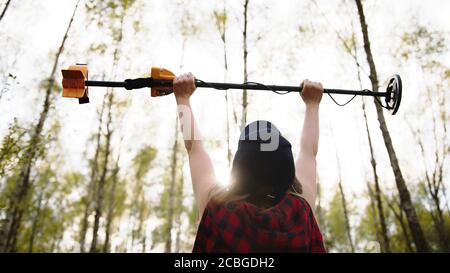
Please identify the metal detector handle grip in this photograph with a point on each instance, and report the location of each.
(131, 84)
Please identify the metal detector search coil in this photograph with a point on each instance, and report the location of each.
(76, 82)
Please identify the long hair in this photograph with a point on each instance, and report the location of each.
(221, 195)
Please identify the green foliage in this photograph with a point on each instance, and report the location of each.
(220, 19)
(447, 74)
(49, 210)
(336, 236)
(55, 86)
(178, 212)
(11, 148)
(159, 234)
(423, 45)
(98, 48)
(366, 231)
(139, 205)
(188, 26)
(142, 161)
(99, 10)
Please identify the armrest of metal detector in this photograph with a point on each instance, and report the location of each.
(161, 82)
(74, 83)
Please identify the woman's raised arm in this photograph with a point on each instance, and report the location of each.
(305, 167)
(202, 169)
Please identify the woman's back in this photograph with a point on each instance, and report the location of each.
(289, 226)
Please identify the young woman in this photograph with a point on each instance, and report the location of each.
(270, 203)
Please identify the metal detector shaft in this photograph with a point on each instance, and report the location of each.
(149, 82)
(75, 82)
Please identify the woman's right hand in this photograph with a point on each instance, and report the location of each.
(311, 92)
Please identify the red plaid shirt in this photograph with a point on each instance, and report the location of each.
(289, 226)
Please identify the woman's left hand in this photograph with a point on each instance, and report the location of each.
(184, 86)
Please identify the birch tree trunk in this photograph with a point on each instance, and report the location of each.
(377, 195)
(35, 222)
(405, 197)
(100, 185)
(385, 244)
(111, 206)
(244, 93)
(399, 216)
(374, 212)
(170, 209)
(180, 209)
(221, 22)
(343, 199)
(347, 221)
(92, 181)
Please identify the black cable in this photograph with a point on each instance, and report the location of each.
(344, 104)
(286, 92)
(378, 100)
(212, 86)
(268, 88)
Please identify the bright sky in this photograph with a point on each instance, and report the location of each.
(32, 30)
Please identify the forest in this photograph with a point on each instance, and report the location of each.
(113, 175)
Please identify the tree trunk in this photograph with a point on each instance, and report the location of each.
(101, 182)
(139, 208)
(53, 245)
(111, 206)
(5, 9)
(58, 240)
(399, 216)
(100, 188)
(406, 233)
(384, 233)
(446, 201)
(343, 199)
(136, 208)
(141, 218)
(374, 212)
(170, 210)
(244, 93)
(178, 238)
(22, 187)
(405, 198)
(377, 196)
(347, 222)
(93, 178)
(35, 223)
(144, 243)
(432, 187)
(440, 224)
(179, 213)
(437, 182)
(225, 63)
(222, 27)
(320, 212)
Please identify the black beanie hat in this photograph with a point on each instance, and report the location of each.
(263, 160)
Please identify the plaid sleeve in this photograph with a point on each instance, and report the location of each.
(317, 244)
(204, 232)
